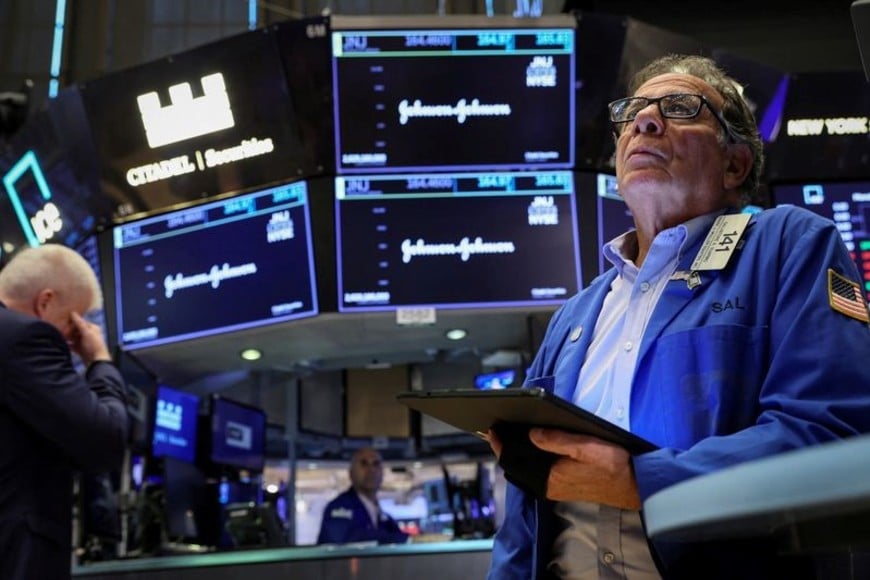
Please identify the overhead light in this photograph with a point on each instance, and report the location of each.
(456, 334)
(251, 354)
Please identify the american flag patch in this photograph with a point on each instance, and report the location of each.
(846, 297)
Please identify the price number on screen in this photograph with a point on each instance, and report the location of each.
(552, 180)
(439, 183)
(557, 38)
(499, 39)
(428, 40)
(495, 182)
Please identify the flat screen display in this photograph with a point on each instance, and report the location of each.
(847, 204)
(421, 99)
(226, 265)
(49, 188)
(238, 434)
(304, 46)
(175, 414)
(824, 129)
(207, 121)
(496, 380)
(456, 240)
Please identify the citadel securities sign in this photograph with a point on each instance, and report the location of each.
(187, 117)
(216, 119)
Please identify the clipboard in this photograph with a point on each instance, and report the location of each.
(477, 411)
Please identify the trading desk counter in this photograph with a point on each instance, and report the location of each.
(813, 498)
(466, 559)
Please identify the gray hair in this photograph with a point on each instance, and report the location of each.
(736, 112)
(50, 266)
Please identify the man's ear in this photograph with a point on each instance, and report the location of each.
(42, 301)
(738, 164)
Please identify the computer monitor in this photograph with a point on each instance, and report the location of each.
(238, 434)
(175, 424)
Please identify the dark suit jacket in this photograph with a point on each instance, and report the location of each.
(345, 519)
(52, 422)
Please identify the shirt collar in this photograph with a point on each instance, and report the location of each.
(687, 233)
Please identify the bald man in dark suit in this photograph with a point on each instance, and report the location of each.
(52, 420)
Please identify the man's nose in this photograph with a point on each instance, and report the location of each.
(648, 120)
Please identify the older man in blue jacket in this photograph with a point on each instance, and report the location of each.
(717, 336)
(52, 421)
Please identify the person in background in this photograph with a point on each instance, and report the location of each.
(354, 515)
(52, 420)
(718, 336)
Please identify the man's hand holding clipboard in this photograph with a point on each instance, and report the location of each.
(544, 444)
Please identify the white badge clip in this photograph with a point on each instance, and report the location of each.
(692, 278)
(721, 242)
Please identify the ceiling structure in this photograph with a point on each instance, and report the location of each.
(793, 36)
(351, 340)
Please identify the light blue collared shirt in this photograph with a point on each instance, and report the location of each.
(604, 383)
(602, 542)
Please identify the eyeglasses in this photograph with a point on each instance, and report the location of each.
(676, 106)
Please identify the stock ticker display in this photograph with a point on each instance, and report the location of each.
(223, 266)
(453, 99)
(456, 240)
(847, 204)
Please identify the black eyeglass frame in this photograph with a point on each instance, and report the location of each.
(658, 102)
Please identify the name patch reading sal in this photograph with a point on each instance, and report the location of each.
(846, 297)
(721, 242)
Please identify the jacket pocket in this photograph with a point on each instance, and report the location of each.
(700, 382)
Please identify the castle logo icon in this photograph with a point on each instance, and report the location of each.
(186, 117)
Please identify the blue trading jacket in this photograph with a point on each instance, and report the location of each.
(345, 520)
(752, 362)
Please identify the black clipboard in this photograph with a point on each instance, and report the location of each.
(477, 411)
